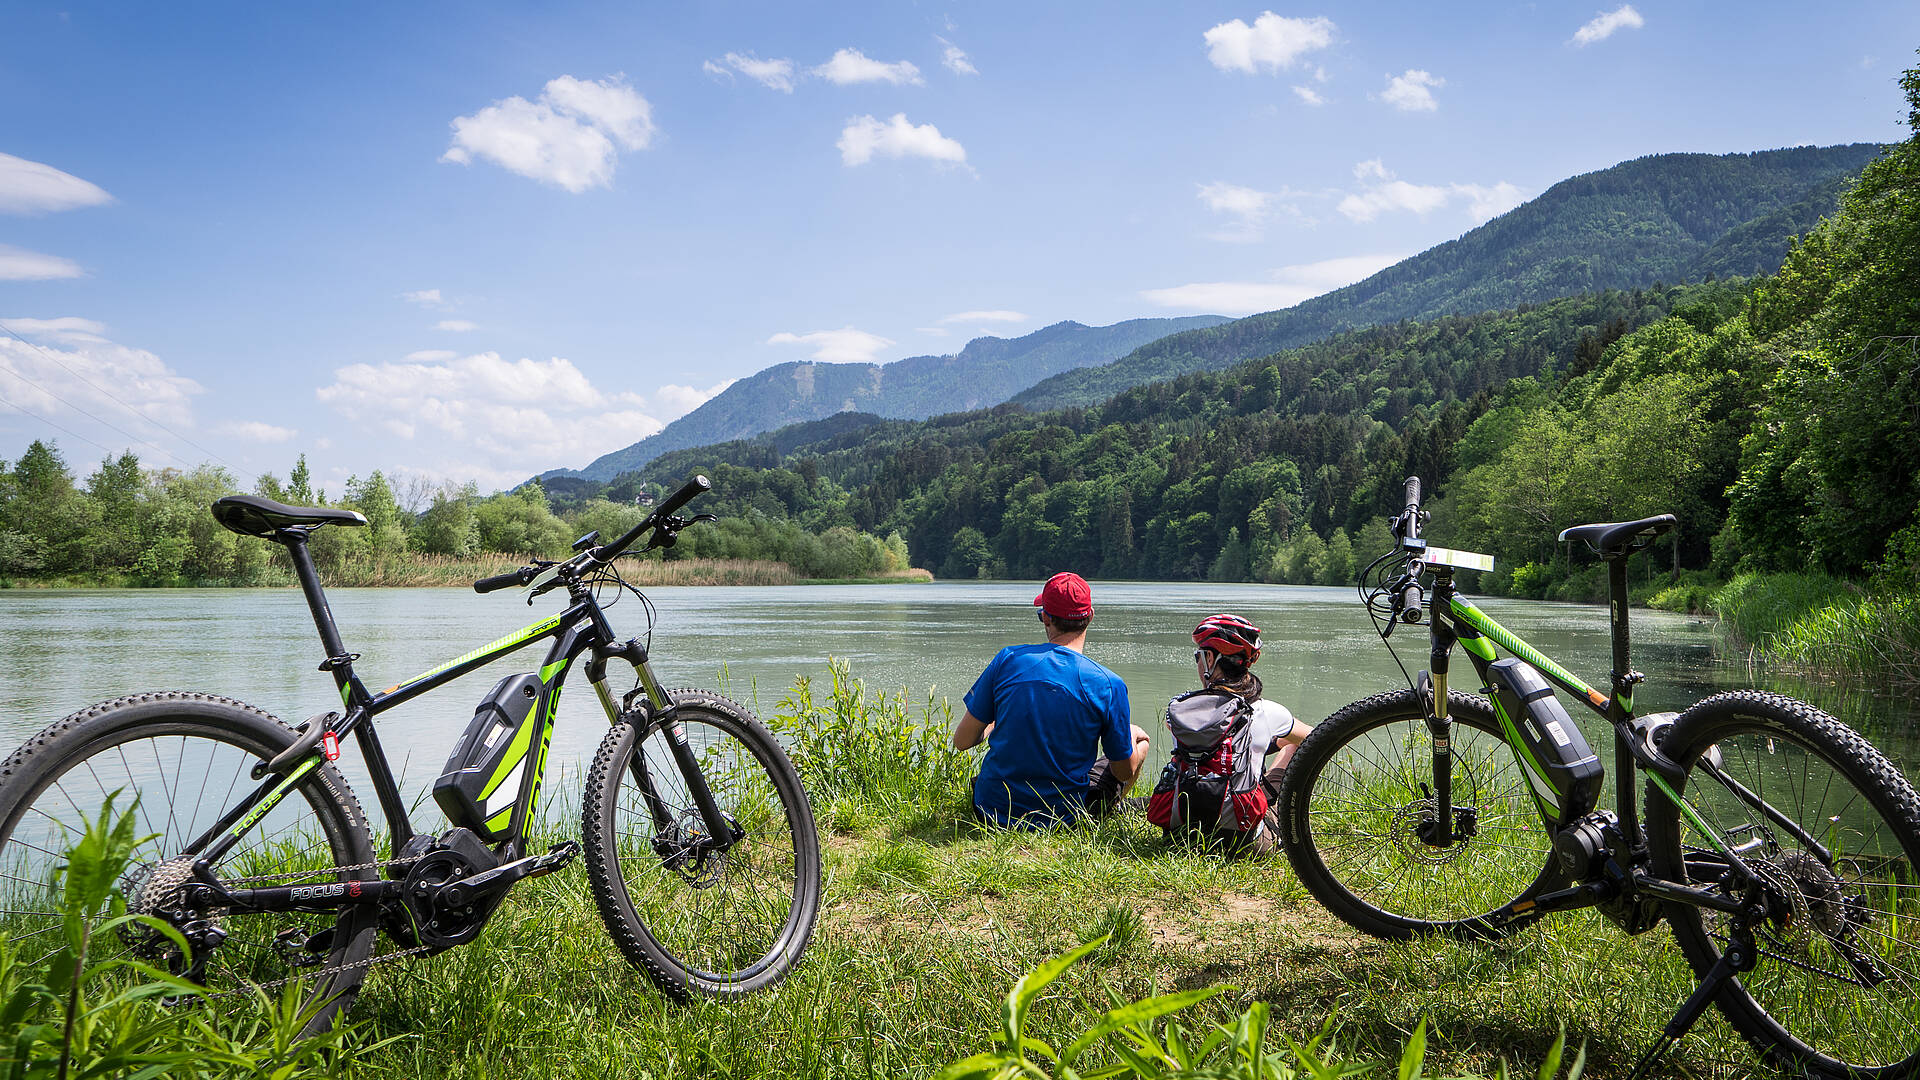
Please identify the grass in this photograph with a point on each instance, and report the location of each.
(1818, 625)
(929, 918)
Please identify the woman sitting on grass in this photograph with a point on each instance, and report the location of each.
(1217, 787)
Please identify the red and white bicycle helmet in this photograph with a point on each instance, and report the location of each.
(1228, 635)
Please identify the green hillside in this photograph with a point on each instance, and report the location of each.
(986, 372)
(1665, 218)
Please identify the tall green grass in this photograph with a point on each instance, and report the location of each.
(1824, 626)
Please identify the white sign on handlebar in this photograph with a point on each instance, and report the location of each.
(1465, 560)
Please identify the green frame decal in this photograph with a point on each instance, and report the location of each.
(498, 645)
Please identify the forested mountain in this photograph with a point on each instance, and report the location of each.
(1664, 218)
(986, 372)
(1167, 480)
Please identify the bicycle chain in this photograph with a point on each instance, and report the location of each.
(325, 972)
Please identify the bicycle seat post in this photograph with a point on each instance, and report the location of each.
(295, 541)
(1624, 677)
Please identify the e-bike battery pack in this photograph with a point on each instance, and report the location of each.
(481, 782)
(1562, 770)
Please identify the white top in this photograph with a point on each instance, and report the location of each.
(1271, 720)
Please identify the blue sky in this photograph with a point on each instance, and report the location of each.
(474, 241)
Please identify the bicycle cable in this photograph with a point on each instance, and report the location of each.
(1375, 599)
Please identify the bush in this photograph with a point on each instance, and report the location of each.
(857, 745)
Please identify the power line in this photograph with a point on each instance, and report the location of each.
(112, 397)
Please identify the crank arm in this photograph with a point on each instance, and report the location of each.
(500, 878)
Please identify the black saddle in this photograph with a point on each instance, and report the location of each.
(1613, 539)
(251, 515)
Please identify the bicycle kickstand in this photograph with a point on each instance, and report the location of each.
(1723, 969)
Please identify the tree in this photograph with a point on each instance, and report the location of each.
(299, 484)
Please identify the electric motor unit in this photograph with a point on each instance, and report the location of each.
(1562, 770)
(481, 782)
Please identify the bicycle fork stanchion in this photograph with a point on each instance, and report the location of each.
(719, 828)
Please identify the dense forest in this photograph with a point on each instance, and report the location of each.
(1668, 217)
(987, 371)
(126, 524)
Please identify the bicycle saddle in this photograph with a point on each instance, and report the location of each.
(1612, 539)
(251, 515)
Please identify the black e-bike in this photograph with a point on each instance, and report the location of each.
(1776, 842)
(699, 840)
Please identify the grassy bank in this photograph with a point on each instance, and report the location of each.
(1813, 624)
(930, 918)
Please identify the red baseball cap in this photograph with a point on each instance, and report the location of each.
(1066, 596)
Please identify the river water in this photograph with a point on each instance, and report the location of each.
(61, 650)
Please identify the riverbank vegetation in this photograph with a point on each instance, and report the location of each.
(930, 918)
(126, 525)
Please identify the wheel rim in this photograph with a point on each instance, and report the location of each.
(184, 778)
(1841, 924)
(1366, 804)
(724, 918)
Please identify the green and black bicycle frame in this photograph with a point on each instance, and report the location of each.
(1600, 863)
(580, 630)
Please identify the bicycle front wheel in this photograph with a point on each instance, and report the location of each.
(699, 917)
(180, 761)
(1832, 832)
(1358, 792)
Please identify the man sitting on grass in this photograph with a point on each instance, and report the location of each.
(1046, 712)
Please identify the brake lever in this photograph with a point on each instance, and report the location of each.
(543, 581)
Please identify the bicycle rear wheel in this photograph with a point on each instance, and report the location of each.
(1359, 789)
(1833, 832)
(186, 758)
(723, 922)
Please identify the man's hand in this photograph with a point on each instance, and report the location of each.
(969, 731)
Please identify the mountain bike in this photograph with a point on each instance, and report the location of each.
(1778, 845)
(700, 844)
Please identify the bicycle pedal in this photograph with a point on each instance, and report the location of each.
(556, 858)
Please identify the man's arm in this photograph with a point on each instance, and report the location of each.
(969, 731)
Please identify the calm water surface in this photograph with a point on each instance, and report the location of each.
(62, 650)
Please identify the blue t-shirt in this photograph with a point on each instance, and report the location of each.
(1053, 710)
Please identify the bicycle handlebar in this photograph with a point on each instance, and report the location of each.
(506, 580)
(699, 485)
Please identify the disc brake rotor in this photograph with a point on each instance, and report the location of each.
(1405, 831)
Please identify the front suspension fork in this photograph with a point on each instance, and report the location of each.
(719, 828)
(1432, 689)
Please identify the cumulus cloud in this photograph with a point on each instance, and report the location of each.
(1285, 287)
(29, 187)
(1273, 42)
(1383, 193)
(1412, 90)
(956, 60)
(19, 264)
(985, 316)
(72, 369)
(1309, 95)
(458, 326)
(864, 137)
(850, 66)
(843, 346)
(673, 401)
(772, 74)
(1601, 27)
(423, 297)
(256, 431)
(488, 418)
(570, 138)
(1249, 210)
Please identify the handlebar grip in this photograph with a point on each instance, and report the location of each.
(1413, 493)
(504, 581)
(699, 485)
(1411, 601)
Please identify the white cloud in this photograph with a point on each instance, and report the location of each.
(1250, 209)
(843, 346)
(566, 139)
(73, 367)
(850, 66)
(431, 354)
(864, 137)
(1601, 27)
(1285, 287)
(985, 316)
(1273, 42)
(458, 326)
(484, 417)
(28, 187)
(956, 60)
(1412, 90)
(256, 431)
(673, 401)
(772, 74)
(423, 297)
(1384, 194)
(19, 264)
(1309, 95)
